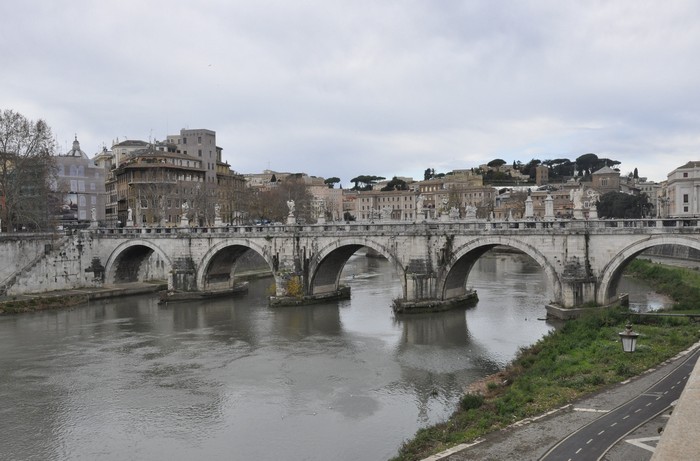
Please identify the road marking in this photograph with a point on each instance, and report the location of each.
(589, 441)
(579, 451)
(637, 410)
(601, 432)
(613, 424)
(591, 410)
(640, 443)
(626, 417)
(648, 404)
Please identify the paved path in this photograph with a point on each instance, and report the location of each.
(530, 440)
(595, 439)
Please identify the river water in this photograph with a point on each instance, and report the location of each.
(127, 379)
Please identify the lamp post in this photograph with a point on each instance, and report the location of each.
(628, 338)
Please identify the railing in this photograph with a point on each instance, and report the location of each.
(599, 225)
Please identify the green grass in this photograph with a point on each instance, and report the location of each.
(582, 357)
(680, 284)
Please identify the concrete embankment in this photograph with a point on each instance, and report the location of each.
(67, 298)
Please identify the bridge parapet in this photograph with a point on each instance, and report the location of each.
(583, 259)
(457, 226)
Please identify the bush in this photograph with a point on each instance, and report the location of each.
(471, 401)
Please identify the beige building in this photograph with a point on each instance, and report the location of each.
(683, 190)
(460, 189)
(376, 205)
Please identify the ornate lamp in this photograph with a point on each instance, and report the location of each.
(628, 338)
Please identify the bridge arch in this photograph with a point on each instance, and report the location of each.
(328, 263)
(612, 272)
(137, 260)
(453, 283)
(216, 266)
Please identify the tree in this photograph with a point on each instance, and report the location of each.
(585, 163)
(624, 206)
(429, 173)
(495, 163)
(365, 182)
(271, 205)
(330, 182)
(27, 172)
(395, 184)
(531, 168)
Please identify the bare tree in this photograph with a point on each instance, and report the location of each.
(27, 172)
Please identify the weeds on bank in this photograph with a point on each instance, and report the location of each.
(681, 284)
(583, 356)
(16, 306)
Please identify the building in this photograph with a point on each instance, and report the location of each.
(683, 190)
(152, 185)
(81, 183)
(605, 180)
(395, 205)
(200, 144)
(459, 189)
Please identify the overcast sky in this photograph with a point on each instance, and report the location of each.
(344, 88)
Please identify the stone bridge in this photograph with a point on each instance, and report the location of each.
(582, 259)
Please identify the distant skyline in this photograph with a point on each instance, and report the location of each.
(339, 88)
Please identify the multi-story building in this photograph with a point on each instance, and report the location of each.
(200, 144)
(82, 184)
(459, 189)
(683, 190)
(395, 205)
(228, 191)
(152, 185)
(151, 181)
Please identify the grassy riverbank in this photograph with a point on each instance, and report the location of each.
(583, 357)
(681, 284)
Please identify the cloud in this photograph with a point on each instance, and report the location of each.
(349, 88)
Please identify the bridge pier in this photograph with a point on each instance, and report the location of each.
(576, 293)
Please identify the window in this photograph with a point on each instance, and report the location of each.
(685, 174)
(604, 182)
(685, 198)
(685, 209)
(199, 140)
(184, 140)
(199, 152)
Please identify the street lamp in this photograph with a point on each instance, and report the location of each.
(628, 338)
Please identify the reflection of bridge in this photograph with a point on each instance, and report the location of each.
(582, 260)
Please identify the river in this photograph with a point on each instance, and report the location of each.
(128, 379)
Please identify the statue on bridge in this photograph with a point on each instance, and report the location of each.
(291, 219)
(576, 195)
(470, 212)
(184, 220)
(386, 213)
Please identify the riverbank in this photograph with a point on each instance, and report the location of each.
(581, 359)
(70, 298)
